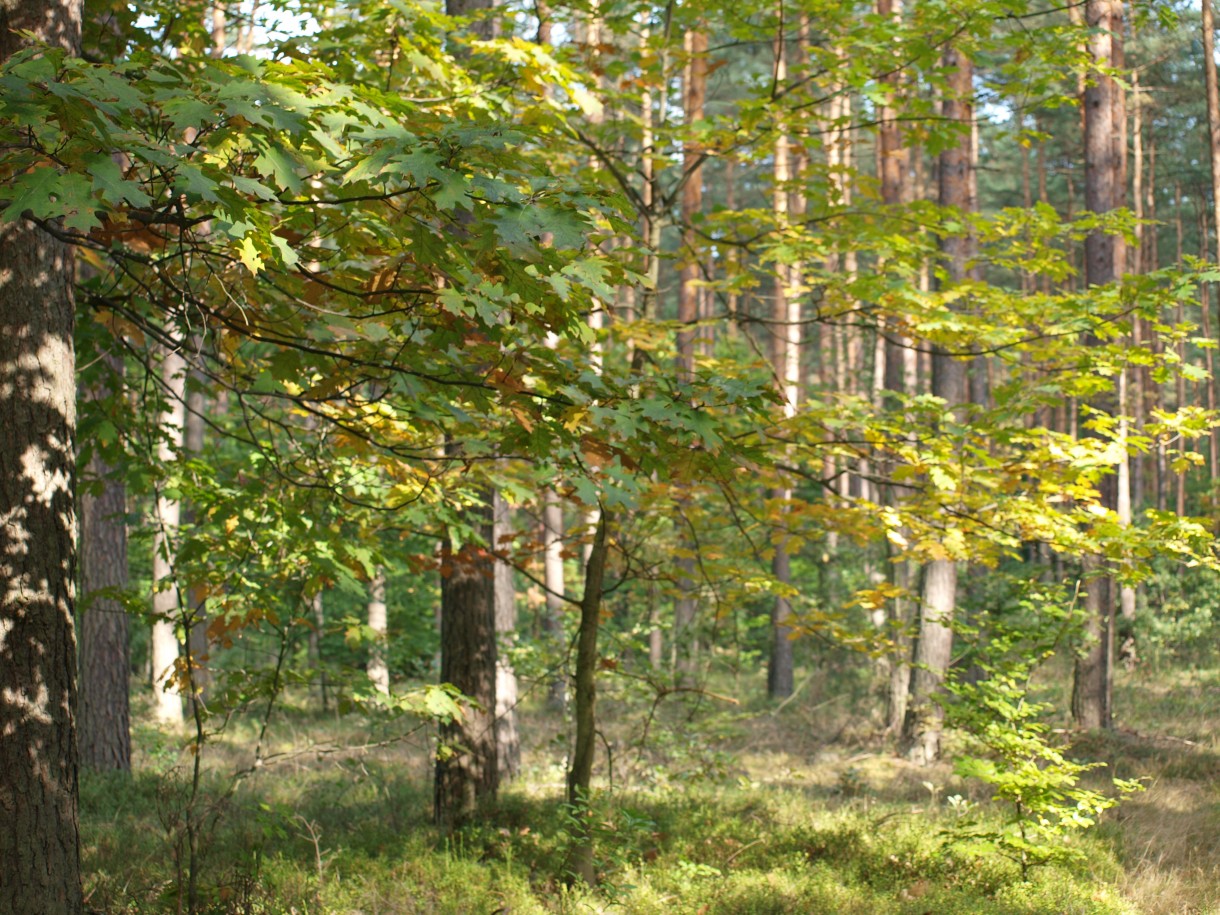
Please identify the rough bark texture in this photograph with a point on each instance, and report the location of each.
(105, 658)
(467, 773)
(508, 742)
(924, 718)
(1105, 189)
(580, 776)
(39, 836)
(378, 671)
(1213, 124)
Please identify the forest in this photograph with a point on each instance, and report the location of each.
(575, 456)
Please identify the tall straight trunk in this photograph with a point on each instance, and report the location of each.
(508, 742)
(924, 722)
(39, 837)
(163, 645)
(377, 669)
(1213, 124)
(105, 656)
(467, 772)
(1105, 190)
(685, 644)
(785, 355)
(893, 167)
(1209, 356)
(580, 775)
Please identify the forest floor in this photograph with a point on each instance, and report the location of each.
(706, 806)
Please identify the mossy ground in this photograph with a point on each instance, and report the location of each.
(724, 810)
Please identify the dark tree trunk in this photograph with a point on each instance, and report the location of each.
(466, 770)
(580, 776)
(1105, 190)
(39, 837)
(105, 657)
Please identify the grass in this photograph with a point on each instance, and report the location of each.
(730, 811)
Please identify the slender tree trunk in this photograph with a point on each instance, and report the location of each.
(317, 611)
(784, 350)
(580, 776)
(552, 571)
(163, 646)
(105, 657)
(508, 742)
(197, 610)
(467, 773)
(1213, 124)
(1105, 190)
(377, 669)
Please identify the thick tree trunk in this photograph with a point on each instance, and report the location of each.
(508, 742)
(1105, 190)
(105, 657)
(925, 718)
(580, 776)
(377, 669)
(39, 837)
(467, 773)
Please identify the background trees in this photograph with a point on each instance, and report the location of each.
(670, 281)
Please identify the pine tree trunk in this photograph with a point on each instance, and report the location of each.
(39, 836)
(552, 572)
(1105, 190)
(105, 656)
(780, 662)
(1213, 124)
(924, 720)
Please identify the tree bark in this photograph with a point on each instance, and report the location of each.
(377, 669)
(105, 656)
(39, 837)
(552, 576)
(1105, 190)
(580, 776)
(1213, 124)
(163, 646)
(784, 351)
(467, 774)
(508, 741)
(924, 720)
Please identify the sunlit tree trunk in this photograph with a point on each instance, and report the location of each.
(508, 742)
(924, 721)
(1105, 190)
(377, 669)
(163, 645)
(785, 354)
(39, 837)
